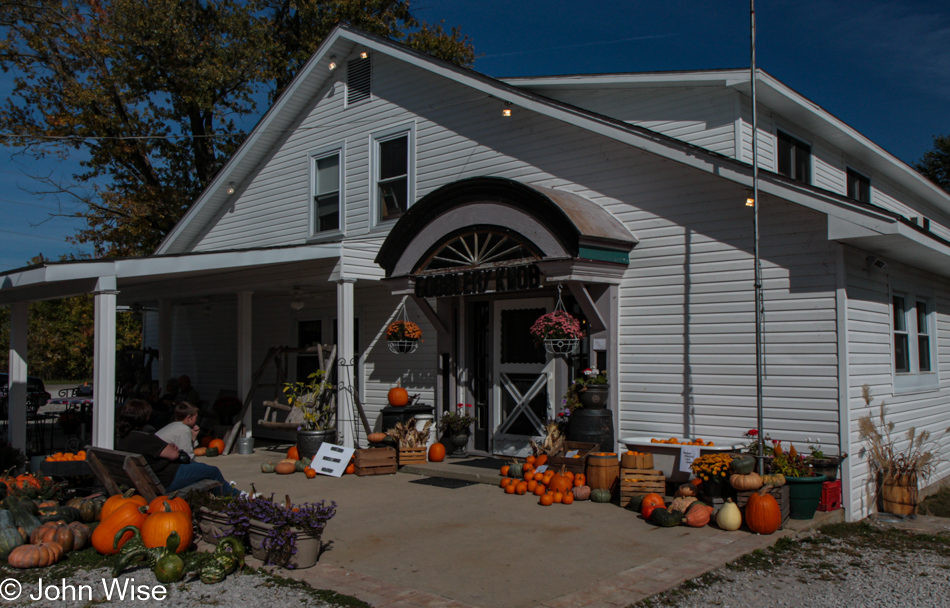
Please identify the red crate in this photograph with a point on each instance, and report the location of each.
(830, 496)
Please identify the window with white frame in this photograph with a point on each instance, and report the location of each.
(794, 158)
(326, 193)
(392, 176)
(913, 330)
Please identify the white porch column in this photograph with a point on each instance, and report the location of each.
(165, 310)
(346, 411)
(244, 318)
(16, 403)
(103, 413)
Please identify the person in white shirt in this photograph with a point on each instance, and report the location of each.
(183, 432)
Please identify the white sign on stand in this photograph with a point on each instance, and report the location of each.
(332, 459)
(688, 453)
(541, 469)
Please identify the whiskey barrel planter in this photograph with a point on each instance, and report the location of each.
(603, 471)
(899, 493)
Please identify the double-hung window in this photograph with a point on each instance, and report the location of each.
(325, 211)
(794, 158)
(392, 175)
(914, 339)
(859, 186)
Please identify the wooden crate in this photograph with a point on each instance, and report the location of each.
(780, 495)
(640, 461)
(574, 465)
(647, 482)
(412, 456)
(375, 461)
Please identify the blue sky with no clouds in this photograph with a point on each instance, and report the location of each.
(882, 67)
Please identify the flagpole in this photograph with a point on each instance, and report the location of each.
(759, 303)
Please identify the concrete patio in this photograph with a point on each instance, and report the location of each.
(397, 541)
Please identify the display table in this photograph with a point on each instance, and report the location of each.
(667, 457)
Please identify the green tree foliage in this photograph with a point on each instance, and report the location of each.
(61, 337)
(935, 164)
(151, 93)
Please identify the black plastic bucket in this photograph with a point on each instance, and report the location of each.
(592, 426)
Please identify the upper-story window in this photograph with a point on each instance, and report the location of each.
(794, 158)
(392, 175)
(325, 211)
(859, 186)
(913, 330)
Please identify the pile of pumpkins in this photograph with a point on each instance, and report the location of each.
(210, 447)
(67, 456)
(38, 533)
(563, 487)
(762, 512)
(293, 463)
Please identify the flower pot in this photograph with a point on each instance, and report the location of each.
(595, 397)
(402, 347)
(899, 494)
(308, 548)
(309, 442)
(804, 494)
(245, 445)
(827, 467)
(721, 490)
(459, 445)
(213, 526)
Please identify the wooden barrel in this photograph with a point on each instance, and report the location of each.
(899, 494)
(603, 471)
(592, 426)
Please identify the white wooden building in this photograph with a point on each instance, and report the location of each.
(629, 190)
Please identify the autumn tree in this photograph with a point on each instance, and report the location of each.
(935, 163)
(153, 95)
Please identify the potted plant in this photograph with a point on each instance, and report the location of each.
(279, 533)
(822, 463)
(316, 407)
(558, 331)
(403, 337)
(804, 485)
(457, 426)
(713, 469)
(898, 470)
(410, 440)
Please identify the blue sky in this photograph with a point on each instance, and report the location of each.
(882, 67)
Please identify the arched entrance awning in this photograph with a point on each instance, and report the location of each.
(492, 223)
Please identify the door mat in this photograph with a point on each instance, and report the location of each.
(444, 482)
(483, 463)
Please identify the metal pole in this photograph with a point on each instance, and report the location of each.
(759, 301)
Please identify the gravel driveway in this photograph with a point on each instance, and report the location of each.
(856, 566)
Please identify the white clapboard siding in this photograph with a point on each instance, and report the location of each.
(703, 116)
(870, 363)
(687, 360)
(828, 170)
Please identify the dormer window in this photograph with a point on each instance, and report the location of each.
(794, 158)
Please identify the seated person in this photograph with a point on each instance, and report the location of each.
(174, 471)
(184, 430)
(186, 392)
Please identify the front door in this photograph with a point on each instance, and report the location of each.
(523, 376)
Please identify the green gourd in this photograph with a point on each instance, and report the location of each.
(600, 495)
(666, 518)
(10, 539)
(6, 519)
(299, 466)
(635, 503)
(210, 452)
(742, 464)
(169, 567)
(66, 514)
(26, 520)
(268, 467)
(516, 470)
(89, 507)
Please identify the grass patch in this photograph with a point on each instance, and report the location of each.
(324, 595)
(937, 504)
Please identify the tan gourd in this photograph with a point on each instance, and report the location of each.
(729, 517)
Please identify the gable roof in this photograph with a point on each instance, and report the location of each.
(344, 40)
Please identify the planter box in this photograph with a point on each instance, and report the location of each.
(375, 461)
(574, 465)
(308, 548)
(412, 456)
(213, 526)
(640, 482)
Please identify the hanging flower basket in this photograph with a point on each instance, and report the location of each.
(402, 347)
(561, 346)
(403, 337)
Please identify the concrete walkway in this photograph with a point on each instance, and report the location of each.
(398, 542)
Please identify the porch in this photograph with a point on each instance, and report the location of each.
(396, 540)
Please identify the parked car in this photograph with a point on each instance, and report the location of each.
(36, 394)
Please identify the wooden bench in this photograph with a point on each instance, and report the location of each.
(115, 469)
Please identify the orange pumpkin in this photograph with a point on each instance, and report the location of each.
(560, 482)
(436, 452)
(285, 468)
(398, 396)
(128, 514)
(510, 488)
(580, 480)
(648, 510)
(310, 472)
(114, 502)
(567, 499)
(35, 556)
(762, 513)
(546, 500)
(505, 482)
(177, 504)
(504, 470)
(651, 500)
(293, 453)
(159, 525)
(541, 459)
(350, 469)
(201, 451)
(540, 490)
(217, 443)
